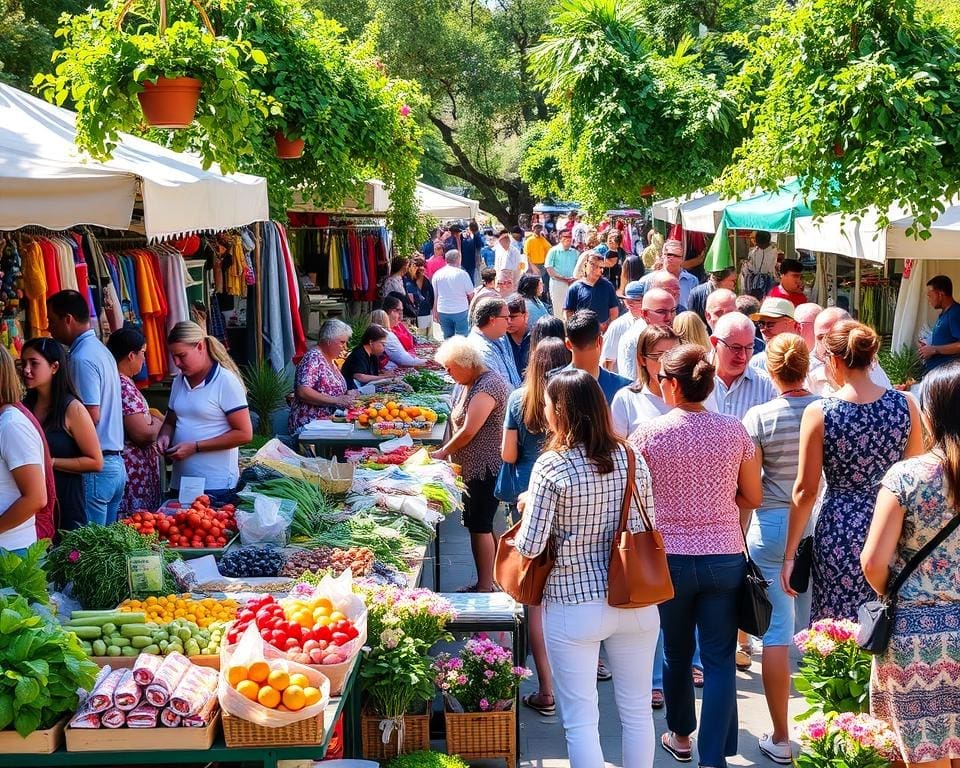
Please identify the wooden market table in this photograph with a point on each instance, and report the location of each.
(347, 704)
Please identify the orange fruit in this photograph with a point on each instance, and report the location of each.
(294, 698)
(278, 680)
(298, 678)
(236, 675)
(311, 696)
(269, 697)
(248, 689)
(259, 671)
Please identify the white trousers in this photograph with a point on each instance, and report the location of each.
(558, 296)
(573, 634)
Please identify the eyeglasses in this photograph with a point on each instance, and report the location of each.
(737, 349)
(661, 377)
(653, 356)
(761, 324)
(662, 312)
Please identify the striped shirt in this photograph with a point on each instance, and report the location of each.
(499, 358)
(774, 428)
(580, 508)
(752, 388)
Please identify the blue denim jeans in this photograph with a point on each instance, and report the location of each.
(455, 324)
(658, 662)
(705, 606)
(767, 540)
(103, 491)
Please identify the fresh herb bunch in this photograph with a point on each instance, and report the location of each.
(94, 560)
(424, 759)
(25, 574)
(43, 666)
(426, 381)
(314, 512)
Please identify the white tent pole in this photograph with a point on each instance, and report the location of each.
(856, 288)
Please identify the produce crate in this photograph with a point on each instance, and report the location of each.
(43, 742)
(482, 735)
(242, 733)
(127, 662)
(416, 736)
(158, 739)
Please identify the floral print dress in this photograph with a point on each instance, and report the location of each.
(142, 490)
(860, 443)
(915, 684)
(318, 373)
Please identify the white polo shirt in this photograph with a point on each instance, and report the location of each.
(202, 414)
(452, 286)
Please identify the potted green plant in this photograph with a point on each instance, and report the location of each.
(904, 367)
(267, 392)
(398, 682)
(119, 72)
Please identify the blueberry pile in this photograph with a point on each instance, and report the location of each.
(252, 561)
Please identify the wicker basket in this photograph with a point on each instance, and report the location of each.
(242, 733)
(482, 735)
(416, 736)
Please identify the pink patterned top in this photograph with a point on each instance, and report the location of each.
(694, 460)
(142, 490)
(316, 372)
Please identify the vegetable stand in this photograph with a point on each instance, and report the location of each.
(327, 446)
(347, 704)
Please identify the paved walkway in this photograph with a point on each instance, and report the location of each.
(541, 738)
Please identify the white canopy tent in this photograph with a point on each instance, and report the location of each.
(46, 181)
(376, 202)
(703, 214)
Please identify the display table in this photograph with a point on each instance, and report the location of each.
(348, 704)
(328, 446)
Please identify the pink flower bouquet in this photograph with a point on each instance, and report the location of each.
(482, 678)
(846, 740)
(834, 674)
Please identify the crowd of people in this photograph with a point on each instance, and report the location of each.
(756, 420)
(751, 422)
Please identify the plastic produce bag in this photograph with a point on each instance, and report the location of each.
(269, 523)
(249, 649)
(339, 590)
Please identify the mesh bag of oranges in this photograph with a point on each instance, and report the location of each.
(259, 685)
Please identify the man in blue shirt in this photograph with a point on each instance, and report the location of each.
(469, 246)
(94, 373)
(585, 343)
(593, 291)
(944, 344)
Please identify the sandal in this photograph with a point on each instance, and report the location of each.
(680, 755)
(538, 702)
(697, 674)
(656, 699)
(603, 673)
(743, 659)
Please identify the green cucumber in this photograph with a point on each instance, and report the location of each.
(114, 617)
(152, 649)
(136, 630)
(130, 652)
(86, 633)
(113, 650)
(109, 628)
(99, 648)
(141, 642)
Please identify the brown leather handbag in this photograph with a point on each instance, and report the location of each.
(639, 575)
(523, 578)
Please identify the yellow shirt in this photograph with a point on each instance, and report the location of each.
(536, 249)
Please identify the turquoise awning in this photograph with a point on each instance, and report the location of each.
(773, 212)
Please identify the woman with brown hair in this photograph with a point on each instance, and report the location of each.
(915, 685)
(698, 515)
(208, 418)
(774, 428)
(632, 406)
(23, 490)
(576, 490)
(852, 439)
(524, 432)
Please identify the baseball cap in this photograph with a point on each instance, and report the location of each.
(634, 290)
(673, 247)
(773, 307)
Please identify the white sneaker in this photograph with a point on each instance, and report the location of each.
(778, 752)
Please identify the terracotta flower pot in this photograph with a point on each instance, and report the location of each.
(170, 102)
(288, 149)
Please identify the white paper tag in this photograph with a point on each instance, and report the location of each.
(397, 442)
(205, 568)
(190, 488)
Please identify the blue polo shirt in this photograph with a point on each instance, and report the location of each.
(601, 297)
(97, 380)
(610, 383)
(945, 331)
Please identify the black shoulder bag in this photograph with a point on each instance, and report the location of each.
(876, 617)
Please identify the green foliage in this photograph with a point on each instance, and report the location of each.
(43, 666)
(267, 391)
(905, 366)
(846, 740)
(24, 574)
(396, 674)
(543, 158)
(633, 117)
(26, 36)
(424, 759)
(834, 673)
(861, 97)
(101, 69)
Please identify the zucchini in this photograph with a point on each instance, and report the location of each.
(86, 633)
(136, 630)
(121, 642)
(130, 652)
(113, 617)
(113, 650)
(99, 648)
(153, 649)
(141, 642)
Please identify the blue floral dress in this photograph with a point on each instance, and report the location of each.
(915, 684)
(860, 443)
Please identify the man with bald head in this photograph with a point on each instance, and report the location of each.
(805, 315)
(673, 263)
(658, 307)
(666, 281)
(817, 380)
(719, 303)
(738, 386)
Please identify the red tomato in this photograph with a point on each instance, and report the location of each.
(278, 638)
(322, 633)
(203, 499)
(136, 517)
(173, 504)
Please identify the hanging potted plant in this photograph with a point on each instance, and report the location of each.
(289, 146)
(126, 72)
